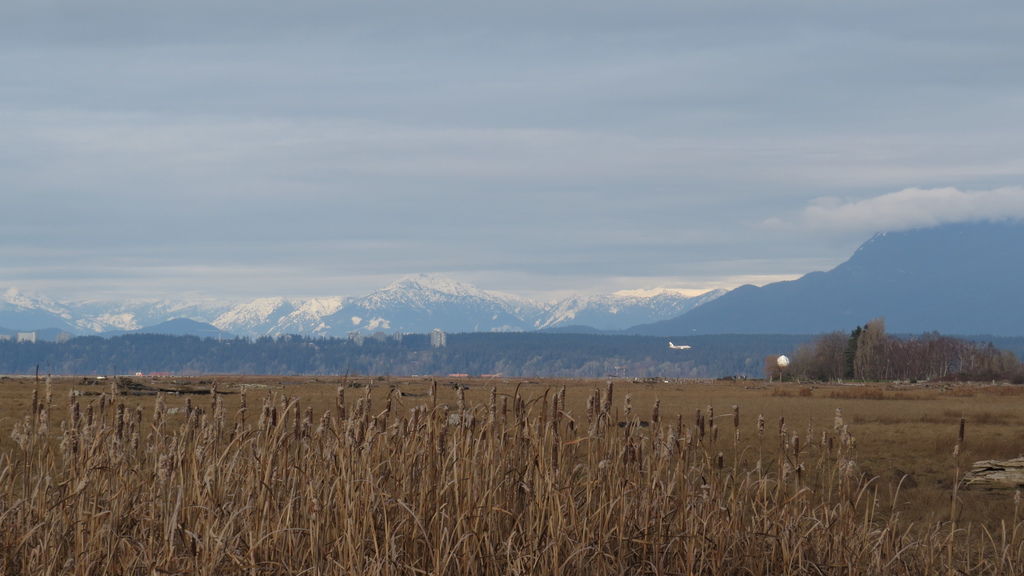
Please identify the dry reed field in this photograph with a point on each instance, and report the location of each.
(406, 476)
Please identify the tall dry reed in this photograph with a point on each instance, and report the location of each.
(438, 489)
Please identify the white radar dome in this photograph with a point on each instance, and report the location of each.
(783, 361)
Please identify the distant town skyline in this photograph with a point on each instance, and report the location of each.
(233, 150)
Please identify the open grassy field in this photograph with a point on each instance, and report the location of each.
(460, 476)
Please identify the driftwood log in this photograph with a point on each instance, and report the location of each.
(996, 474)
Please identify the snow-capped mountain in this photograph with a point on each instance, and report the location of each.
(23, 311)
(103, 316)
(273, 316)
(418, 304)
(424, 302)
(621, 309)
(255, 317)
(27, 311)
(413, 304)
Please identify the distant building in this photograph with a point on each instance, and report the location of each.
(356, 338)
(438, 339)
(4, 337)
(26, 337)
(63, 337)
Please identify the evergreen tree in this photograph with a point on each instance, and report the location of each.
(851, 352)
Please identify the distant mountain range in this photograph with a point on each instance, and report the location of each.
(965, 279)
(415, 304)
(956, 279)
(178, 327)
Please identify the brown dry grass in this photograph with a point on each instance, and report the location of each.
(532, 481)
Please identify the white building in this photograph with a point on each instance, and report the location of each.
(438, 339)
(26, 337)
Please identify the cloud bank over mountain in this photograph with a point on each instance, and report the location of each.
(912, 208)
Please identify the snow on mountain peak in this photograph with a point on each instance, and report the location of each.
(435, 283)
(103, 322)
(30, 301)
(413, 303)
(16, 297)
(627, 307)
(653, 292)
(421, 291)
(252, 313)
(11, 295)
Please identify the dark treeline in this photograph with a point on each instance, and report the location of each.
(868, 353)
(508, 354)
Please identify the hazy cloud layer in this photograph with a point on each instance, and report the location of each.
(251, 148)
(915, 208)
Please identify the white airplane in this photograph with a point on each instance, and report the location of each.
(680, 347)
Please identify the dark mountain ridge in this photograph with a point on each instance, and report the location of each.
(965, 278)
(179, 327)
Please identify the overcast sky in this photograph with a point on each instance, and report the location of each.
(256, 148)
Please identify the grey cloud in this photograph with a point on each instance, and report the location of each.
(547, 143)
(914, 208)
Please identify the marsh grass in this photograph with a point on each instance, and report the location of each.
(517, 483)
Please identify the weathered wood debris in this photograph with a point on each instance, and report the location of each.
(996, 474)
(127, 387)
